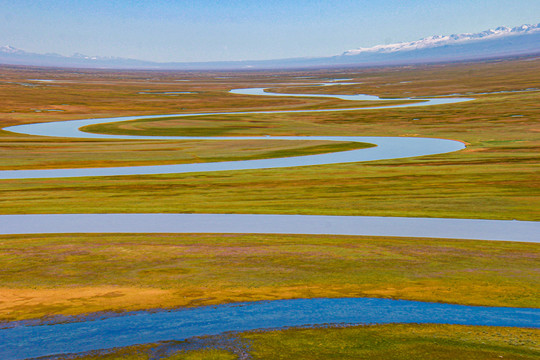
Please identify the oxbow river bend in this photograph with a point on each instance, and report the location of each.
(23, 340)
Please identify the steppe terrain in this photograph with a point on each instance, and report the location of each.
(495, 177)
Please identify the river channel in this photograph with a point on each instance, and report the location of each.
(24, 340)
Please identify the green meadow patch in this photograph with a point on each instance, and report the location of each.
(393, 341)
(80, 273)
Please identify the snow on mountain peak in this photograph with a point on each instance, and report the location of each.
(10, 50)
(442, 40)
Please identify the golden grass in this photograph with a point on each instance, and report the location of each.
(75, 274)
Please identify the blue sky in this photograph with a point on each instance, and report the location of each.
(206, 30)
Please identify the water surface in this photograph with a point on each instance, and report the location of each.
(148, 327)
(503, 230)
(23, 341)
(387, 147)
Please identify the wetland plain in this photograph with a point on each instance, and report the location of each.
(494, 177)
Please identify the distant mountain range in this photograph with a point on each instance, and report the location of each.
(448, 40)
(497, 43)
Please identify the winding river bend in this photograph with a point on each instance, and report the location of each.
(386, 147)
(24, 340)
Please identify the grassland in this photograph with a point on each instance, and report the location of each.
(74, 274)
(397, 342)
(47, 154)
(496, 177)
(393, 342)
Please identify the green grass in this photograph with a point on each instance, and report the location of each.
(115, 272)
(393, 342)
(205, 354)
(142, 352)
(40, 153)
(496, 177)
(436, 186)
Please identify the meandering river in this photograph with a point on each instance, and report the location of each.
(23, 340)
(387, 147)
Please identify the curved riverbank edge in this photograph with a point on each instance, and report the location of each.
(386, 147)
(470, 229)
(149, 327)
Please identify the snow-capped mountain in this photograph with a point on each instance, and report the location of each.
(442, 40)
(501, 42)
(10, 50)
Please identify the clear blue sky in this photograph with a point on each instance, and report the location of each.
(209, 30)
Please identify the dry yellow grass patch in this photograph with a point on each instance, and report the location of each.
(20, 304)
(36, 303)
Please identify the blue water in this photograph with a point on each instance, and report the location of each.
(146, 327)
